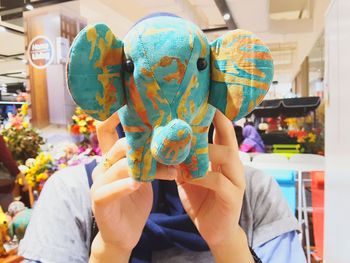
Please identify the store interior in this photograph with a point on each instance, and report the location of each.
(302, 122)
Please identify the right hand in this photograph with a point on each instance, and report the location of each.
(120, 205)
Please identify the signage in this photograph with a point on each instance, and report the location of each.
(62, 47)
(40, 52)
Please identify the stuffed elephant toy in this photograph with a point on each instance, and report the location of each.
(166, 81)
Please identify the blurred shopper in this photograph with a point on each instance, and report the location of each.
(252, 140)
(8, 173)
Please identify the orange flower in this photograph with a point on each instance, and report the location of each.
(75, 129)
(91, 128)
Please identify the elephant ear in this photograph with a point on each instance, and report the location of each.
(94, 71)
(241, 73)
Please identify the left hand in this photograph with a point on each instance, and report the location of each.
(214, 202)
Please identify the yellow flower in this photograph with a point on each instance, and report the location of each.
(25, 124)
(24, 109)
(300, 140)
(312, 137)
(20, 181)
(82, 129)
(30, 180)
(78, 111)
(45, 176)
(82, 123)
(309, 119)
(291, 121)
(62, 165)
(42, 177)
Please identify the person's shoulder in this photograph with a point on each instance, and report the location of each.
(266, 206)
(256, 178)
(61, 219)
(70, 182)
(71, 177)
(260, 186)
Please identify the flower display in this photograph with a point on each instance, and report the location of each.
(309, 130)
(38, 170)
(22, 140)
(69, 154)
(84, 128)
(312, 141)
(83, 124)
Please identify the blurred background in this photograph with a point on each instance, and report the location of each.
(302, 125)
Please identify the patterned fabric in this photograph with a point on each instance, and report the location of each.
(241, 73)
(160, 82)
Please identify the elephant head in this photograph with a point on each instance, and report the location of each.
(165, 80)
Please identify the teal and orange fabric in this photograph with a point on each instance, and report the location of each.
(166, 81)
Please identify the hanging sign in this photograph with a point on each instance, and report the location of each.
(40, 52)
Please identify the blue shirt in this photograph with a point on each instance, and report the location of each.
(284, 248)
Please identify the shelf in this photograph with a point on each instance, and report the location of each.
(12, 102)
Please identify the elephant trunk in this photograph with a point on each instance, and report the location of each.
(171, 144)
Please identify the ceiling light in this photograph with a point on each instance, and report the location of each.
(29, 7)
(227, 16)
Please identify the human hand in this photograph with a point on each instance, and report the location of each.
(214, 202)
(120, 205)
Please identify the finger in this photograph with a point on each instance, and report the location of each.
(115, 190)
(221, 154)
(230, 165)
(106, 132)
(216, 182)
(120, 170)
(117, 152)
(224, 132)
(117, 171)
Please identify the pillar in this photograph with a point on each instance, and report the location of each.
(49, 32)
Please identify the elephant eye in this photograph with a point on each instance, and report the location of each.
(201, 63)
(129, 66)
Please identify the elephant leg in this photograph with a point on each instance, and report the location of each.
(142, 166)
(197, 163)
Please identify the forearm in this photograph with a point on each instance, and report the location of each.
(233, 249)
(105, 253)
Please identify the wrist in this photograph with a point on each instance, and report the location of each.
(233, 248)
(105, 252)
